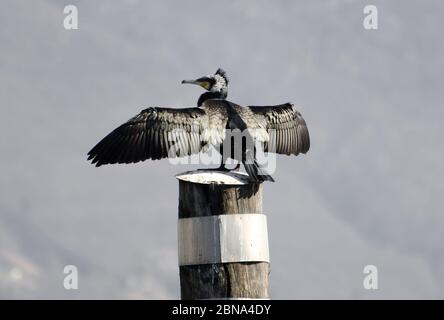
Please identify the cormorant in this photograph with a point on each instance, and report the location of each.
(158, 132)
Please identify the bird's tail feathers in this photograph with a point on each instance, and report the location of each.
(257, 172)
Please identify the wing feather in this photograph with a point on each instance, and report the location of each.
(145, 136)
(286, 126)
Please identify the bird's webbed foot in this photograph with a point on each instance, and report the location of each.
(222, 167)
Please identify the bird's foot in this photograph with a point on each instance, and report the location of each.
(223, 168)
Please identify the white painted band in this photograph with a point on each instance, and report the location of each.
(223, 238)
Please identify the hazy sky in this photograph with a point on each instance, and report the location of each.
(370, 190)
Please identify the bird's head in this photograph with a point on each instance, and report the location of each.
(217, 82)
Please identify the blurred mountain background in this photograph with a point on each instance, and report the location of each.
(370, 190)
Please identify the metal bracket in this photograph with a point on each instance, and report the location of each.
(223, 239)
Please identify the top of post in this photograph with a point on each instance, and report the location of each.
(203, 176)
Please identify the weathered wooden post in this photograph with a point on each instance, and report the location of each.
(222, 236)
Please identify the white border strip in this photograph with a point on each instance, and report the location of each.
(223, 239)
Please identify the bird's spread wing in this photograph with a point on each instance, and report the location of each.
(154, 133)
(288, 133)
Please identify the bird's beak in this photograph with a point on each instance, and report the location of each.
(191, 82)
(204, 83)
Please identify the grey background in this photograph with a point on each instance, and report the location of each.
(370, 190)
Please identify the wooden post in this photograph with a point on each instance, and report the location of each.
(222, 236)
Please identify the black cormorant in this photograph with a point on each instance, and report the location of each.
(158, 132)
